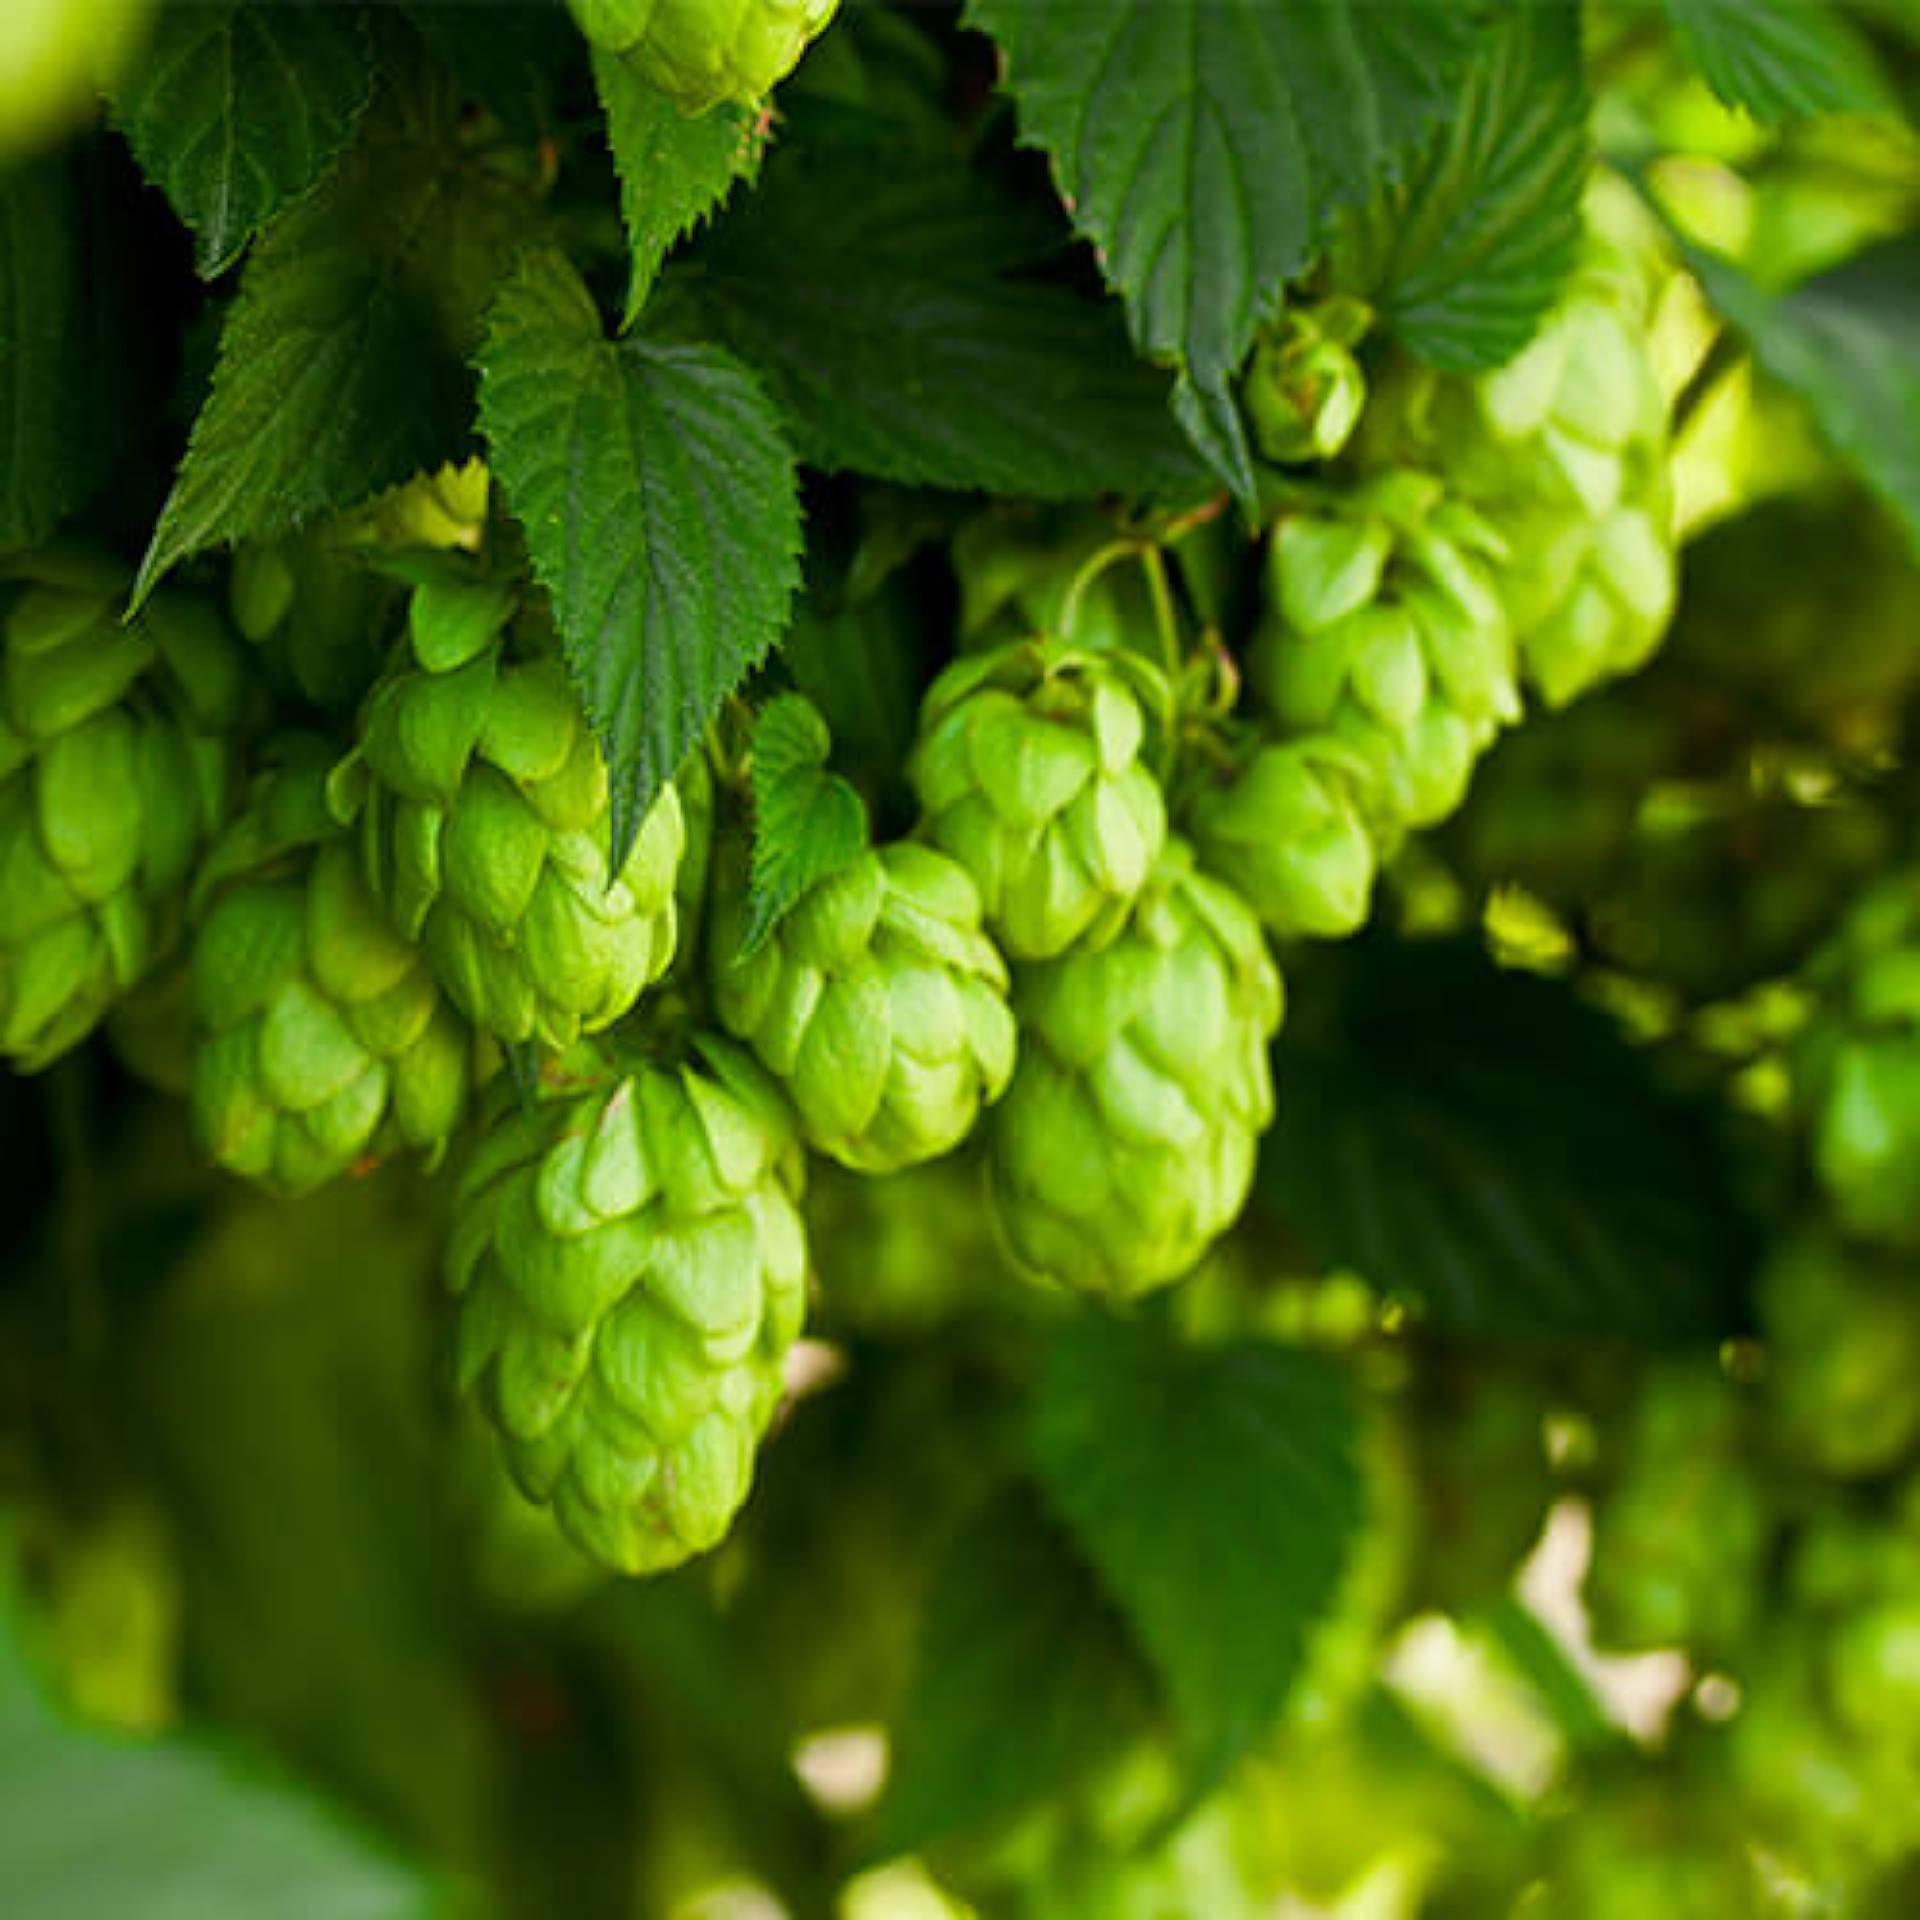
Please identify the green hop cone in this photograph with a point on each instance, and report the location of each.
(321, 1039)
(1564, 451)
(486, 824)
(879, 1002)
(318, 616)
(55, 58)
(1285, 830)
(1305, 390)
(1857, 1069)
(1030, 768)
(1125, 1145)
(114, 769)
(1843, 1331)
(1682, 1527)
(703, 52)
(1385, 635)
(632, 1269)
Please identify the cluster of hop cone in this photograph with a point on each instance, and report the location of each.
(329, 842)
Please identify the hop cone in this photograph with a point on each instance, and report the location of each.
(1564, 451)
(1029, 767)
(702, 52)
(1285, 830)
(1386, 634)
(322, 1041)
(1843, 1334)
(1682, 1529)
(1857, 1072)
(486, 826)
(1125, 1144)
(1305, 390)
(113, 772)
(879, 1002)
(632, 1269)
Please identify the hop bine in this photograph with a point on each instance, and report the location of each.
(632, 1269)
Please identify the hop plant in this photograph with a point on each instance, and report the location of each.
(1564, 452)
(702, 52)
(879, 1002)
(1858, 1065)
(1030, 766)
(55, 56)
(486, 824)
(320, 1038)
(1284, 828)
(1385, 634)
(1125, 1143)
(632, 1269)
(114, 770)
(1844, 1354)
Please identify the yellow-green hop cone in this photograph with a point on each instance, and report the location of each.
(321, 1040)
(1125, 1145)
(1565, 452)
(55, 58)
(1683, 1525)
(1285, 829)
(880, 1004)
(1857, 1068)
(632, 1269)
(1305, 390)
(1843, 1368)
(702, 52)
(1385, 633)
(486, 823)
(1031, 772)
(114, 769)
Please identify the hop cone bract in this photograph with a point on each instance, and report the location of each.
(632, 1269)
(321, 1040)
(1126, 1142)
(487, 823)
(701, 52)
(1030, 768)
(114, 769)
(879, 1002)
(1385, 630)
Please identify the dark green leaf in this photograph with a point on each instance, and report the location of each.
(808, 823)
(1848, 342)
(1026, 1678)
(1218, 1491)
(91, 1826)
(674, 170)
(62, 405)
(661, 506)
(1780, 59)
(341, 368)
(1466, 259)
(507, 54)
(234, 111)
(883, 309)
(1204, 146)
(1488, 1148)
